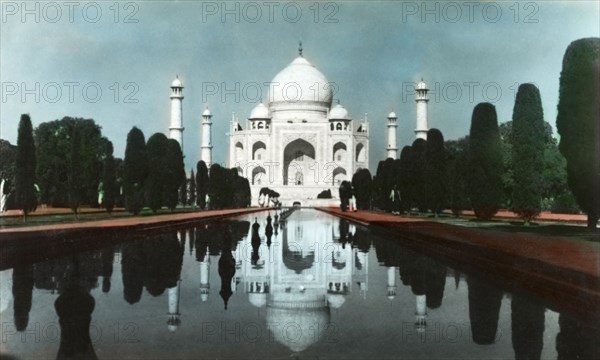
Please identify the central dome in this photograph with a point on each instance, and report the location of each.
(300, 81)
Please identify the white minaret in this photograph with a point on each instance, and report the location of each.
(173, 319)
(392, 148)
(421, 313)
(391, 282)
(206, 145)
(204, 278)
(422, 100)
(176, 127)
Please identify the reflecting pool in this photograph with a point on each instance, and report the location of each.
(273, 285)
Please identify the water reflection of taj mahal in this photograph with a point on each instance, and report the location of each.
(297, 268)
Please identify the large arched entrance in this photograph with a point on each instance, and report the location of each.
(297, 157)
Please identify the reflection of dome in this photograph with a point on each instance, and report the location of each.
(177, 82)
(335, 301)
(258, 299)
(301, 81)
(339, 113)
(298, 328)
(260, 112)
(294, 260)
(203, 297)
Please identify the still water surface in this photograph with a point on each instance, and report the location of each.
(302, 284)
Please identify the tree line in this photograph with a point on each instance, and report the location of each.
(69, 163)
(516, 165)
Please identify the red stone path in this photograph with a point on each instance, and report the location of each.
(562, 269)
(126, 222)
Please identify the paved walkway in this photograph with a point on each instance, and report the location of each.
(127, 222)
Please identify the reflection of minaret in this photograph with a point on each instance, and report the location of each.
(391, 282)
(176, 126)
(421, 313)
(204, 277)
(173, 320)
(392, 149)
(422, 100)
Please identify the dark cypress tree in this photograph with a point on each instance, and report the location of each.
(217, 186)
(174, 173)
(527, 152)
(485, 161)
(435, 171)
(417, 174)
(25, 168)
(405, 182)
(75, 172)
(361, 182)
(457, 170)
(158, 182)
(201, 184)
(135, 170)
(578, 123)
(192, 192)
(109, 179)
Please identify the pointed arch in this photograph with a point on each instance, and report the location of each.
(258, 175)
(339, 151)
(361, 152)
(296, 151)
(259, 148)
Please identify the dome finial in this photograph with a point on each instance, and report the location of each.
(300, 48)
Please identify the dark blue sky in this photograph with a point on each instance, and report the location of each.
(373, 52)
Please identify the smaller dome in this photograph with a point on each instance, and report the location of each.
(338, 112)
(258, 299)
(206, 112)
(392, 115)
(260, 111)
(177, 82)
(203, 297)
(421, 85)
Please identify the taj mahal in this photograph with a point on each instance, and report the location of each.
(299, 142)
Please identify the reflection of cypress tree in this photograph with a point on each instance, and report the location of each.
(269, 230)
(527, 320)
(201, 243)
(74, 308)
(418, 279)
(362, 240)
(108, 255)
(436, 280)
(344, 227)
(255, 241)
(388, 253)
(484, 308)
(22, 277)
(406, 266)
(215, 239)
(132, 269)
(575, 340)
(226, 271)
(164, 257)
